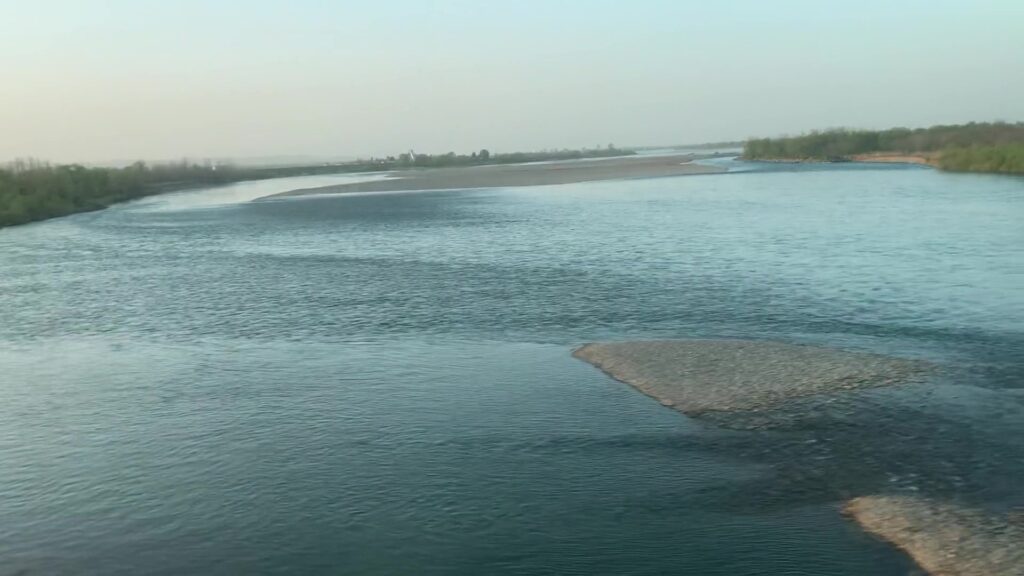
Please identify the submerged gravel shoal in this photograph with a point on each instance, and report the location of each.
(944, 538)
(731, 382)
(698, 376)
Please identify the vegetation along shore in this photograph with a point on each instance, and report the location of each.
(33, 190)
(996, 147)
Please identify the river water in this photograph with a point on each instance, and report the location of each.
(198, 383)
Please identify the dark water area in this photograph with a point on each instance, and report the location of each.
(382, 384)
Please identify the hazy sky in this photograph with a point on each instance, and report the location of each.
(91, 80)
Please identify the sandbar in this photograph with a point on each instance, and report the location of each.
(700, 376)
(530, 174)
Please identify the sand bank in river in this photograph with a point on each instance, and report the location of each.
(945, 539)
(536, 174)
(698, 376)
(728, 379)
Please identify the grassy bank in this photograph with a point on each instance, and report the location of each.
(1006, 159)
(975, 147)
(32, 191)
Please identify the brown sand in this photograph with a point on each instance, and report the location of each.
(945, 539)
(535, 174)
(897, 158)
(698, 376)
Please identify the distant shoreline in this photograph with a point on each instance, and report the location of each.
(31, 190)
(874, 158)
(530, 174)
(987, 147)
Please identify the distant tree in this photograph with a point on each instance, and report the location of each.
(484, 155)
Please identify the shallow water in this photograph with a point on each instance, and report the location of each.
(381, 384)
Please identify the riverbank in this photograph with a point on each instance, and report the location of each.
(878, 158)
(34, 191)
(533, 174)
(996, 147)
(928, 159)
(873, 158)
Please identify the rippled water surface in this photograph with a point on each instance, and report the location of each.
(381, 384)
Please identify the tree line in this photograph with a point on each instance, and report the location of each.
(32, 190)
(974, 147)
(414, 160)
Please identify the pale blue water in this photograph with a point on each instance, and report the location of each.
(381, 384)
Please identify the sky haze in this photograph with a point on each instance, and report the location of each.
(101, 81)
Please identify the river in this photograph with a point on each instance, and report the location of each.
(208, 383)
